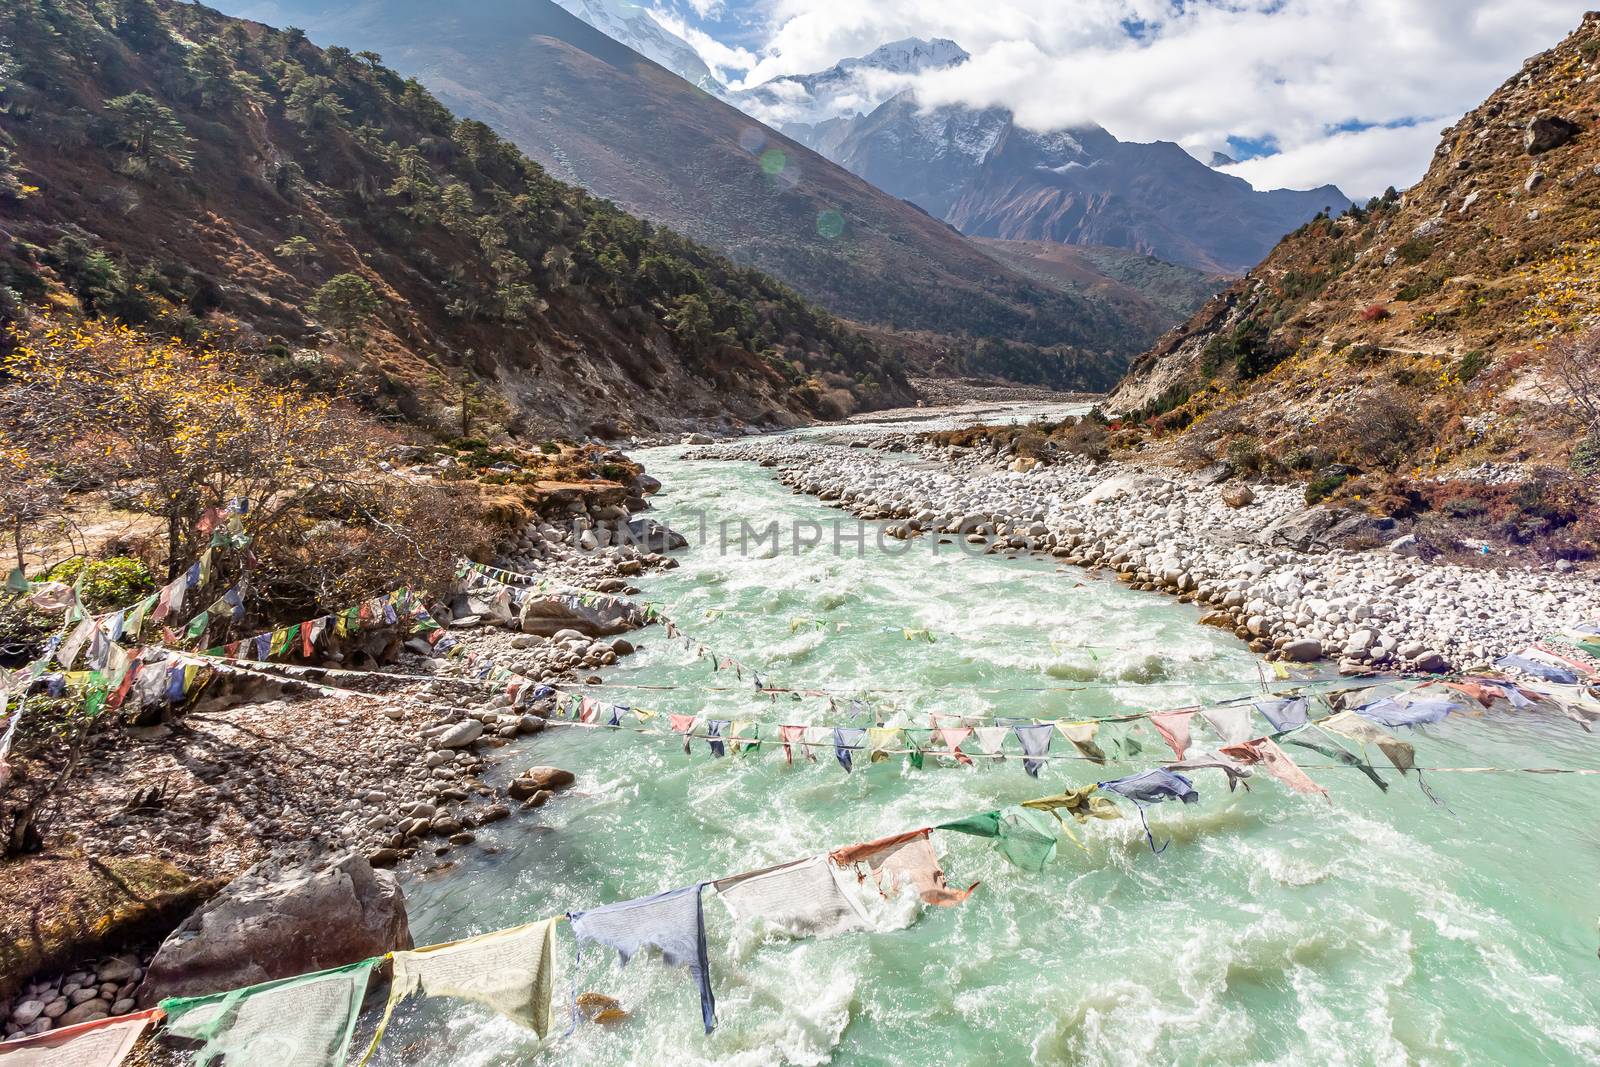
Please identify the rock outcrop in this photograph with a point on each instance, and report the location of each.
(600, 617)
(278, 919)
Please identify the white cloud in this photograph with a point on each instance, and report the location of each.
(1361, 163)
(1291, 72)
(723, 60)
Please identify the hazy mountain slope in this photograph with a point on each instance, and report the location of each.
(598, 114)
(169, 166)
(1424, 331)
(1170, 292)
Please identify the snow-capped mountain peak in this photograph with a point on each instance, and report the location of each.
(632, 24)
(855, 86)
(910, 56)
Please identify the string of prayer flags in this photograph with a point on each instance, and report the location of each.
(673, 922)
(306, 1021)
(509, 971)
(101, 1043)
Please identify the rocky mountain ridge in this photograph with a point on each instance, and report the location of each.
(1439, 338)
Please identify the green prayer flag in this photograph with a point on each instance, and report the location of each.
(17, 581)
(918, 740)
(1026, 838)
(306, 1021)
(94, 696)
(199, 624)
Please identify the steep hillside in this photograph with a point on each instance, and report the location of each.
(168, 165)
(989, 177)
(600, 115)
(1429, 332)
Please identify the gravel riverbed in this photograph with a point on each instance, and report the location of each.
(1271, 569)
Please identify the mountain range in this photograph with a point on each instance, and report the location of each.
(601, 115)
(978, 170)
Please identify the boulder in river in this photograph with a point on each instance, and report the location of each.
(281, 918)
(652, 536)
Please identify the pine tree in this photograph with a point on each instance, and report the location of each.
(150, 131)
(345, 303)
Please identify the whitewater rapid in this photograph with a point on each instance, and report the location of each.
(1380, 928)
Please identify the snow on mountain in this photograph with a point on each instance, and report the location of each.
(799, 104)
(632, 24)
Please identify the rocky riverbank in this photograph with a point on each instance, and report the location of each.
(1298, 583)
(390, 763)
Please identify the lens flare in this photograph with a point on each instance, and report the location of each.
(773, 161)
(752, 139)
(830, 223)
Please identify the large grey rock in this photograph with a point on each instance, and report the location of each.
(1547, 132)
(1320, 529)
(278, 919)
(1303, 650)
(461, 734)
(652, 536)
(603, 617)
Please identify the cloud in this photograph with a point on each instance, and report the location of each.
(723, 60)
(1295, 73)
(1362, 163)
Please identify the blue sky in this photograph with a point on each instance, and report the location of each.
(1302, 92)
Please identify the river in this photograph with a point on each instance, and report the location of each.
(1378, 928)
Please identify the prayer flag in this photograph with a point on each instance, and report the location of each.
(804, 898)
(1082, 735)
(102, 1043)
(902, 860)
(1035, 741)
(509, 971)
(673, 922)
(306, 1021)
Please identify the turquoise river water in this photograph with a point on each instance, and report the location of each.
(1378, 929)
